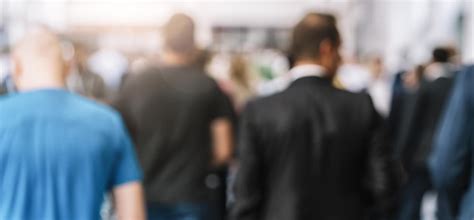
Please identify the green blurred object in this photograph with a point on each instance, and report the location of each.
(266, 72)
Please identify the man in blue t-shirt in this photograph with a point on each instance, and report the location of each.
(59, 153)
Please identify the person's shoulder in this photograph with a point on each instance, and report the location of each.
(468, 74)
(4, 98)
(265, 105)
(351, 97)
(144, 74)
(360, 103)
(96, 112)
(12, 102)
(5, 101)
(204, 77)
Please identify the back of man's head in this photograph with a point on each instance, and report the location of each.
(310, 32)
(441, 55)
(38, 59)
(179, 34)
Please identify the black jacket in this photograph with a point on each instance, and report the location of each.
(310, 152)
(428, 105)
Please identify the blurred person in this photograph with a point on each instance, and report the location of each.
(441, 64)
(5, 76)
(180, 122)
(452, 161)
(203, 58)
(59, 153)
(312, 151)
(354, 77)
(272, 67)
(82, 80)
(111, 65)
(239, 86)
(416, 142)
(6, 85)
(405, 85)
(379, 86)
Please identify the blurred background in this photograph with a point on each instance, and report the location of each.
(402, 33)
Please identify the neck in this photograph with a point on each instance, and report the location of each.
(176, 59)
(35, 82)
(24, 87)
(306, 62)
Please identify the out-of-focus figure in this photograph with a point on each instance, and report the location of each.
(240, 85)
(415, 145)
(6, 83)
(312, 151)
(452, 162)
(404, 87)
(181, 123)
(111, 65)
(82, 80)
(354, 77)
(379, 86)
(59, 153)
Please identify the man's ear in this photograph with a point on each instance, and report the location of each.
(67, 68)
(325, 47)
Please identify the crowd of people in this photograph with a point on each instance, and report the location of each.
(170, 139)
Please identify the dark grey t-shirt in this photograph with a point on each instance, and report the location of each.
(169, 111)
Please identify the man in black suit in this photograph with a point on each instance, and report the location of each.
(312, 151)
(415, 143)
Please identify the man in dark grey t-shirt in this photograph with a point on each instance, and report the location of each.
(180, 122)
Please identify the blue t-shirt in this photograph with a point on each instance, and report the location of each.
(59, 154)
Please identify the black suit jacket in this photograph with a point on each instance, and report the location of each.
(310, 152)
(428, 105)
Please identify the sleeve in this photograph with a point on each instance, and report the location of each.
(125, 167)
(450, 157)
(412, 126)
(222, 105)
(248, 186)
(122, 103)
(383, 171)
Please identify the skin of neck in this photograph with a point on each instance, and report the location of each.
(301, 62)
(177, 59)
(41, 78)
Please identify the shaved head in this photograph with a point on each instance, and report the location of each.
(38, 60)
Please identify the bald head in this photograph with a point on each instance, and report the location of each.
(38, 61)
(179, 34)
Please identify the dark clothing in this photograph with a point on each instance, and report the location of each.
(412, 193)
(169, 111)
(452, 161)
(399, 94)
(423, 120)
(310, 152)
(3, 89)
(7, 86)
(422, 113)
(181, 211)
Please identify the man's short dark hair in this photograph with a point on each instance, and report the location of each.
(179, 34)
(310, 32)
(441, 54)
